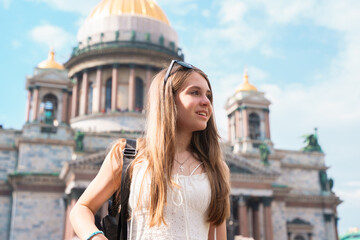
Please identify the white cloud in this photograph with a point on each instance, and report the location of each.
(83, 7)
(6, 3)
(205, 13)
(52, 36)
(16, 44)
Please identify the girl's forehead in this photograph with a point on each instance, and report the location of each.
(196, 80)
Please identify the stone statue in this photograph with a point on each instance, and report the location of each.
(323, 181)
(79, 138)
(264, 153)
(312, 143)
(331, 184)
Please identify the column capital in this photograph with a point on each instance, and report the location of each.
(86, 70)
(267, 201)
(242, 200)
(65, 90)
(132, 65)
(240, 108)
(115, 65)
(99, 67)
(148, 67)
(30, 88)
(266, 110)
(37, 87)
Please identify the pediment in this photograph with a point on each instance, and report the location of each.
(243, 166)
(93, 160)
(52, 76)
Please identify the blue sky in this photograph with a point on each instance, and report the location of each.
(303, 54)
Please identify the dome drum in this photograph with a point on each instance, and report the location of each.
(127, 28)
(93, 57)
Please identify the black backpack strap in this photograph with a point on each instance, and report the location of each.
(129, 154)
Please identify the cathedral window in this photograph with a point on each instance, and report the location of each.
(299, 237)
(139, 94)
(90, 98)
(254, 126)
(48, 109)
(108, 94)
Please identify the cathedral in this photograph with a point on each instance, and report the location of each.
(75, 110)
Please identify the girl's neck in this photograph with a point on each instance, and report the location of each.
(182, 141)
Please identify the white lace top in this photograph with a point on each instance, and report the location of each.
(185, 212)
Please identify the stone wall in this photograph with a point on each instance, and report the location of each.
(37, 216)
(43, 158)
(312, 215)
(7, 163)
(278, 215)
(304, 181)
(5, 212)
(303, 158)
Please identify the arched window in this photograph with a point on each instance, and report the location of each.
(299, 237)
(254, 126)
(139, 94)
(90, 98)
(48, 109)
(108, 94)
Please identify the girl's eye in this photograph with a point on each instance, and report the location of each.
(195, 93)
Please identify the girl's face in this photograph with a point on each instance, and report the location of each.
(193, 104)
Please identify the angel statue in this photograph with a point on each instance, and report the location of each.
(312, 144)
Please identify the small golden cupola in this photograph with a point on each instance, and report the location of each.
(246, 86)
(50, 63)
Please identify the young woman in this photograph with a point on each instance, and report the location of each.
(179, 181)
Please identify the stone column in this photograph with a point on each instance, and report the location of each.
(64, 106)
(237, 124)
(243, 219)
(255, 220)
(336, 228)
(75, 101)
(147, 79)
(329, 226)
(132, 88)
(229, 129)
(289, 235)
(114, 87)
(85, 92)
(310, 236)
(74, 104)
(267, 218)
(99, 89)
(245, 123)
(36, 103)
(70, 107)
(267, 124)
(28, 105)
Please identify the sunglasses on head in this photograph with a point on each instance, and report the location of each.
(181, 63)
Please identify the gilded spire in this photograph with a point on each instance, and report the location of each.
(246, 86)
(50, 62)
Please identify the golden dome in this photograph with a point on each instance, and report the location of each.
(50, 62)
(146, 8)
(246, 86)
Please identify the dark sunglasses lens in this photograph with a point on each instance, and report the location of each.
(184, 64)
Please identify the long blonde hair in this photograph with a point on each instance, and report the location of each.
(158, 148)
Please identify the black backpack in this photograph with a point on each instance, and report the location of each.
(115, 224)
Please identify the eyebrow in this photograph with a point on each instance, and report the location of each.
(197, 87)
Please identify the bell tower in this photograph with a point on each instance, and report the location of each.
(248, 118)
